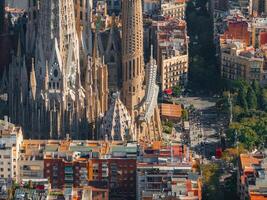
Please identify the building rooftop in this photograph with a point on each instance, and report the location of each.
(170, 110)
(254, 167)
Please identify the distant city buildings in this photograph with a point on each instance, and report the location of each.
(116, 170)
(11, 139)
(173, 8)
(251, 176)
(70, 57)
(167, 172)
(171, 41)
(241, 45)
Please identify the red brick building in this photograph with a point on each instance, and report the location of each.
(237, 30)
(119, 173)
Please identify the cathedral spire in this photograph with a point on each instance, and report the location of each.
(24, 77)
(19, 48)
(113, 21)
(33, 81)
(151, 53)
(132, 54)
(46, 81)
(77, 79)
(95, 48)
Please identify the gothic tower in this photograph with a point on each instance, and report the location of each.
(140, 99)
(132, 54)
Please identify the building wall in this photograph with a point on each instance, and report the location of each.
(174, 71)
(54, 171)
(132, 55)
(120, 175)
(11, 140)
(6, 163)
(175, 10)
(30, 169)
(234, 67)
(83, 14)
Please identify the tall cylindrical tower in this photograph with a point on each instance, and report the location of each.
(132, 54)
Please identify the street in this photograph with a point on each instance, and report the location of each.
(206, 125)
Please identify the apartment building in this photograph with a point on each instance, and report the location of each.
(10, 141)
(251, 176)
(173, 8)
(77, 164)
(167, 172)
(242, 47)
(241, 62)
(259, 32)
(97, 170)
(30, 161)
(171, 42)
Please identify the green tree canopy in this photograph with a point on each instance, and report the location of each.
(251, 98)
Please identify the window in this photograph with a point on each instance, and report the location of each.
(112, 59)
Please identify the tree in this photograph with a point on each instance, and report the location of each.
(263, 99)
(231, 154)
(222, 104)
(241, 98)
(246, 134)
(211, 174)
(257, 89)
(177, 90)
(185, 115)
(248, 137)
(251, 98)
(237, 110)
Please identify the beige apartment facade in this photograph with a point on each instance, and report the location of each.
(173, 71)
(10, 141)
(174, 9)
(30, 168)
(236, 63)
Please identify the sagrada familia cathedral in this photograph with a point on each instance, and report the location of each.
(59, 82)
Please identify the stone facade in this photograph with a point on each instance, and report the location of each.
(60, 101)
(139, 99)
(117, 123)
(240, 62)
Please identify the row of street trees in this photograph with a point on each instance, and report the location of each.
(249, 109)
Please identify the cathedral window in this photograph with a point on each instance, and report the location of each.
(54, 85)
(112, 58)
(130, 69)
(133, 68)
(49, 85)
(55, 73)
(126, 71)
